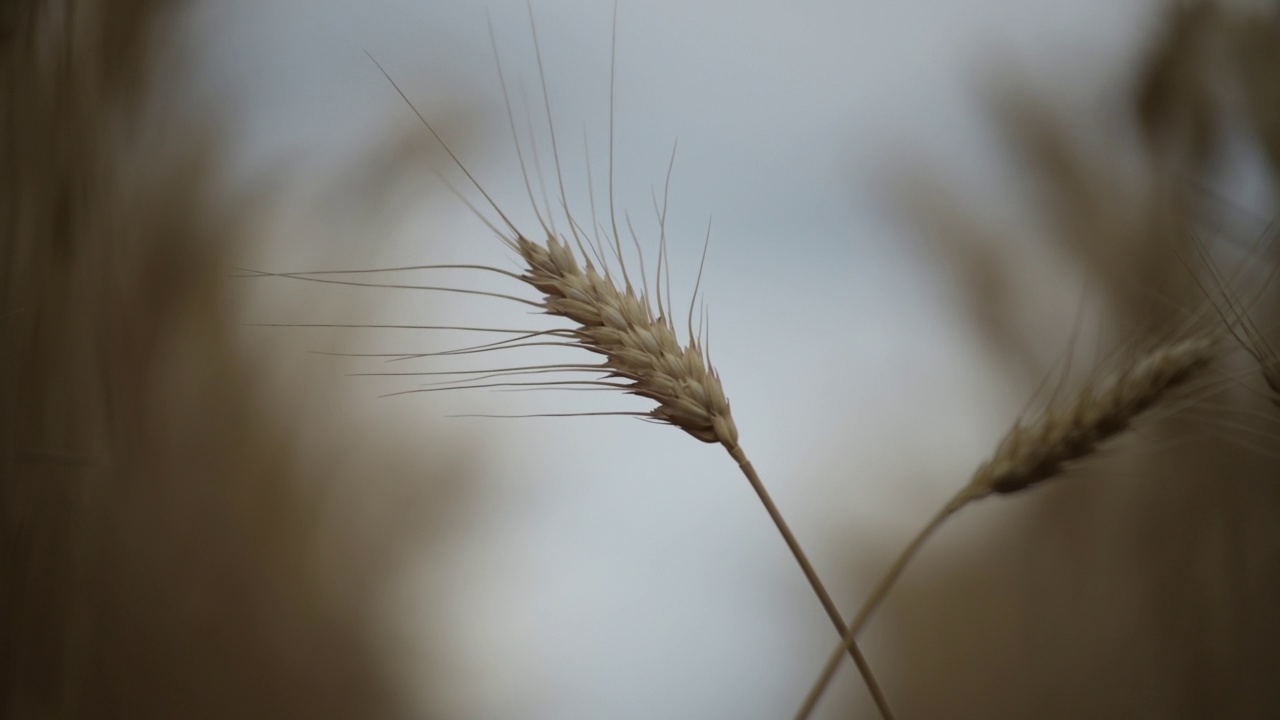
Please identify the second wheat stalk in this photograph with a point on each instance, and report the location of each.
(1036, 451)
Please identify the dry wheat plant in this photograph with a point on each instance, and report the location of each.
(167, 554)
(582, 276)
(590, 271)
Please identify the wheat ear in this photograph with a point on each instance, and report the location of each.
(642, 351)
(1035, 452)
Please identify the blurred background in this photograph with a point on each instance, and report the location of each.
(916, 210)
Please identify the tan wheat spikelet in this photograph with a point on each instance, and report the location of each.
(1036, 451)
(638, 347)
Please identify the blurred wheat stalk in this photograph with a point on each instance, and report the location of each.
(162, 554)
(1210, 76)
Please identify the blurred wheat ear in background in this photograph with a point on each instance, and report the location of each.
(1146, 586)
(163, 554)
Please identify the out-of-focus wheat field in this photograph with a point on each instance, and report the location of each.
(565, 568)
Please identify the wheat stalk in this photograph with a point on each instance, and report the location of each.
(624, 322)
(643, 350)
(1035, 452)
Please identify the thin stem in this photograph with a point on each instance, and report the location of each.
(816, 582)
(881, 590)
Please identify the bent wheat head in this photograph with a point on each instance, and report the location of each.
(638, 347)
